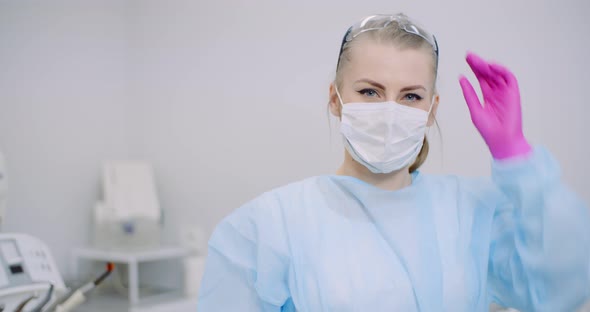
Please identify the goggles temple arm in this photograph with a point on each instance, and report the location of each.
(342, 46)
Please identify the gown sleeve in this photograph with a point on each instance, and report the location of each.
(540, 242)
(246, 270)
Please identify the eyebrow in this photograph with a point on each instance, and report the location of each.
(410, 88)
(371, 82)
(378, 85)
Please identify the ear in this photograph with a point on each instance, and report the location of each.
(334, 102)
(432, 116)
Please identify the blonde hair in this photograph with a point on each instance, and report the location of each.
(393, 34)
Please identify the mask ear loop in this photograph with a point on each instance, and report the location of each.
(429, 111)
(338, 94)
(431, 105)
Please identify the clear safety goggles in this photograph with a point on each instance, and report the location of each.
(380, 21)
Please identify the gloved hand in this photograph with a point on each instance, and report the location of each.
(499, 120)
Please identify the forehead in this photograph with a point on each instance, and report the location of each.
(390, 65)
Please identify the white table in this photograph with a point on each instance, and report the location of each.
(131, 258)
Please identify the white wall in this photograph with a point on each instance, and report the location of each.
(234, 92)
(228, 98)
(64, 96)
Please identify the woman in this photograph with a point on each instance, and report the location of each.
(381, 236)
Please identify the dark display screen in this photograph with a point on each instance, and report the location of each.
(16, 269)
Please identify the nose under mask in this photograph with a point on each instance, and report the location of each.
(384, 136)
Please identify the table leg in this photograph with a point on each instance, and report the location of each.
(74, 274)
(133, 283)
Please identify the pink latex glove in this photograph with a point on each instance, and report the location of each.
(499, 120)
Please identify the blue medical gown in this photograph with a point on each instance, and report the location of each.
(444, 243)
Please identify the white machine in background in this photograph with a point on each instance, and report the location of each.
(29, 278)
(129, 216)
(127, 231)
(27, 270)
(127, 227)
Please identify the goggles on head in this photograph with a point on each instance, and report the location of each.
(380, 21)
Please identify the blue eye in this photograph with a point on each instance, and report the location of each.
(368, 92)
(412, 97)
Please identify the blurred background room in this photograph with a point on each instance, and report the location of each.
(203, 105)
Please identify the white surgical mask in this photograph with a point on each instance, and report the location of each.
(384, 136)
